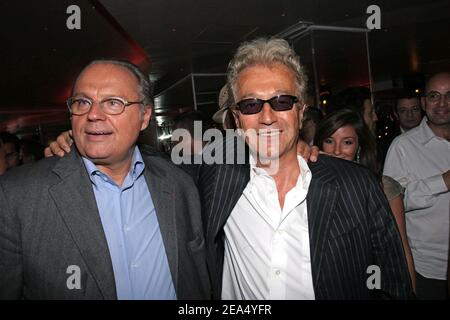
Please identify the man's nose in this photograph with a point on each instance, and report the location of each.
(267, 114)
(443, 100)
(410, 113)
(96, 112)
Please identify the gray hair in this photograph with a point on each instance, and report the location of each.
(267, 52)
(145, 87)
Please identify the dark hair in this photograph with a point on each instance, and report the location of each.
(350, 98)
(7, 137)
(145, 87)
(366, 140)
(404, 94)
(312, 113)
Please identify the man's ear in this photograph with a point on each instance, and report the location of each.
(146, 116)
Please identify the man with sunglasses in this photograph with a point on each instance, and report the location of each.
(104, 221)
(280, 228)
(420, 161)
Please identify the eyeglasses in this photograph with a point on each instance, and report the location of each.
(111, 106)
(435, 96)
(282, 102)
(415, 109)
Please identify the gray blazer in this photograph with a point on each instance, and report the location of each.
(49, 220)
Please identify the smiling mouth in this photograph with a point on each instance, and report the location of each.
(269, 133)
(98, 133)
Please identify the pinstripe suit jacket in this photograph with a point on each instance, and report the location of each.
(351, 228)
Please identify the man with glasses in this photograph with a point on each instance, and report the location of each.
(408, 111)
(104, 221)
(280, 228)
(420, 161)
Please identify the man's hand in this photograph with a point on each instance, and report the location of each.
(446, 177)
(60, 146)
(307, 152)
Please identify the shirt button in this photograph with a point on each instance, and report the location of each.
(277, 272)
(280, 232)
(135, 265)
(127, 228)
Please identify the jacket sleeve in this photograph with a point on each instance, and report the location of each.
(11, 267)
(387, 246)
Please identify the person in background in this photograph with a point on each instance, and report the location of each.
(419, 160)
(357, 99)
(408, 110)
(30, 150)
(225, 101)
(311, 119)
(11, 145)
(343, 134)
(191, 146)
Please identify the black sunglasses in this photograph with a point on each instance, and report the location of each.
(282, 102)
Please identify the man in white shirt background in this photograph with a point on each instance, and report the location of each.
(420, 161)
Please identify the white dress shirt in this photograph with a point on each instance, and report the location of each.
(267, 252)
(417, 159)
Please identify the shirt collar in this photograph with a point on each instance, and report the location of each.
(304, 177)
(136, 169)
(426, 134)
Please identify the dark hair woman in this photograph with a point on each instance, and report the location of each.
(343, 134)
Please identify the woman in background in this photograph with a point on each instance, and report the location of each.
(344, 134)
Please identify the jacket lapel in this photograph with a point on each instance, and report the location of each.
(163, 200)
(76, 204)
(321, 202)
(229, 183)
(228, 187)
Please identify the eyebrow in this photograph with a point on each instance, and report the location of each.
(82, 94)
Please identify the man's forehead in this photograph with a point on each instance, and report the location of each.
(108, 70)
(104, 74)
(440, 81)
(408, 102)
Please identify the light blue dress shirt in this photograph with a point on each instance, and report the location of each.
(127, 212)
